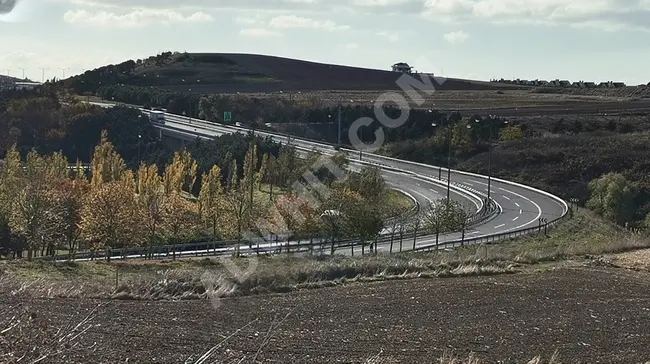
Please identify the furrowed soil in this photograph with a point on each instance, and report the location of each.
(589, 314)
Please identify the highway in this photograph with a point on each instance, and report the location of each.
(519, 206)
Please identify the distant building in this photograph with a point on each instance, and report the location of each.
(619, 84)
(402, 67)
(565, 83)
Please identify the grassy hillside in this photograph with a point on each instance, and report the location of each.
(230, 72)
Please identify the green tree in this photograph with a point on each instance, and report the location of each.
(512, 132)
(612, 196)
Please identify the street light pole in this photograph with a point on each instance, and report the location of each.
(43, 73)
(449, 166)
(339, 128)
(490, 160)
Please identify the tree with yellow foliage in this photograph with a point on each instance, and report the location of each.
(38, 212)
(180, 217)
(180, 175)
(106, 164)
(151, 198)
(111, 217)
(211, 199)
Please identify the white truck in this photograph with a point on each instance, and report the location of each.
(157, 116)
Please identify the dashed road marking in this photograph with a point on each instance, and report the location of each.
(500, 226)
(515, 219)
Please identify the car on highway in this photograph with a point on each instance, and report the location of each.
(157, 116)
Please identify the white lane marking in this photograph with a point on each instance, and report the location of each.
(481, 183)
(427, 182)
(515, 219)
(520, 211)
(517, 203)
(434, 191)
(500, 226)
(469, 184)
(473, 233)
(506, 197)
(423, 196)
(539, 209)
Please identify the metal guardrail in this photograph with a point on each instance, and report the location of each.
(318, 243)
(492, 238)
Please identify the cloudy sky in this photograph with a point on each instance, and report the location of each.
(596, 40)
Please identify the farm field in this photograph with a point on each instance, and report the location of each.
(588, 314)
(505, 103)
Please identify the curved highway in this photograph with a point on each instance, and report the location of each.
(519, 206)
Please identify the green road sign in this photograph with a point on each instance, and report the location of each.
(227, 116)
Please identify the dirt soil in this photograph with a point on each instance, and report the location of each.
(590, 315)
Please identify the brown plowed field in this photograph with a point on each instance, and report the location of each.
(590, 315)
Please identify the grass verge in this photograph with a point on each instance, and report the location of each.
(583, 237)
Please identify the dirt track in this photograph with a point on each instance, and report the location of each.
(589, 315)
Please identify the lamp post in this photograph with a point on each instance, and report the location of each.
(492, 117)
(449, 139)
(139, 140)
(43, 73)
(190, 106)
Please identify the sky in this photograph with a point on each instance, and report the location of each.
(590, 40)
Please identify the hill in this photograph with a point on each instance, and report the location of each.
(233, 72)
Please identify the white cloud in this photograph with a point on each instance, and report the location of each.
(391, 36)
(134, 19)
(602, 14)
(259, 32)
(297, 22)
(250, 20)
(456, 37)
(352, 46)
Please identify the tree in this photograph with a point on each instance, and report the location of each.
(264, 169)
(37, 213)
(151, 197)
(513, 132)
(111, 217)
(211, 199)
(180, 175)
(107, 166)
(461, 136)
(287, 166)
(362, 220)
(445, 217)
(612, 196)
(70, 194)
(180, 217)
(369, 183)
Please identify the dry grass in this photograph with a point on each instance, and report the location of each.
(581, 238)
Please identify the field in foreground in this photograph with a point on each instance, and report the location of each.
(587, 314)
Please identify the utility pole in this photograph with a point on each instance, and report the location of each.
(339, 138)
(190, 106)
(43, 73)
(21, 68)
(63, 71)
(449, 166)
(490, 160)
